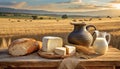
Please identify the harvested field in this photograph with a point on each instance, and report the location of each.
(18, 28)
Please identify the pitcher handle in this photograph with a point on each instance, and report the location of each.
(109, 37)
(88, 26)
(95, 35)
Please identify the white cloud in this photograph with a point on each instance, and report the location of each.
(69, 7)
(115, 4)
(72, 6)
(76, 1)
(94, 1)
(115, 1)
(20, 5)
(17, 5)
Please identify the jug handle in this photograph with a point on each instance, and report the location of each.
(94, 37)
(109, 37)
(88, 26)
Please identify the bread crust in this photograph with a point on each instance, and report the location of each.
(28, 44)
(21, 40)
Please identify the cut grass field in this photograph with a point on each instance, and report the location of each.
(18, 28)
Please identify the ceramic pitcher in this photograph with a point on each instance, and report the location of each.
(80, 35)
(101, 42)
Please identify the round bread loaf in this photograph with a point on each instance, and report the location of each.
(23, 46)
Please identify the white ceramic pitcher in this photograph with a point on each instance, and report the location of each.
(100, 44)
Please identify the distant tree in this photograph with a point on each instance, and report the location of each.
(109, 17)
(64, 16)
(41, 18)
(34, 17)
(16, 14)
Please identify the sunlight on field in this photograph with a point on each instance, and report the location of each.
(17, 28)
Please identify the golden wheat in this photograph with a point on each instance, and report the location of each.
(18, 28)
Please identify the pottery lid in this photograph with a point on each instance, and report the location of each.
(78, 23)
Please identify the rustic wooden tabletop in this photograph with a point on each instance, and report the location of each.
(110, 59)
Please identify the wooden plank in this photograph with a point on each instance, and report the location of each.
(117, 67)
(113, 50)
(56, 64)
(33, 60)
(30, 64)
(100, 63)
(30, 68)
(99, 67)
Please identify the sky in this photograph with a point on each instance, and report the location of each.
(62, 5)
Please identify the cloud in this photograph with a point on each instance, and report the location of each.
(20, 4)
(76, 1)
(94, 1)
(115, 4)
(17, 5)
(71, 6)
(7, 3)
(115, 1)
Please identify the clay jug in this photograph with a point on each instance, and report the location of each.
(80, 35)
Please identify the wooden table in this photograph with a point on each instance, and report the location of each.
(111, 60)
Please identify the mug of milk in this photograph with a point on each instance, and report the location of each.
(100, 44)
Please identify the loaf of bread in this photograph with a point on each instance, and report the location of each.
(23, 46)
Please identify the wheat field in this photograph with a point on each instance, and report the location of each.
(11, 29)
